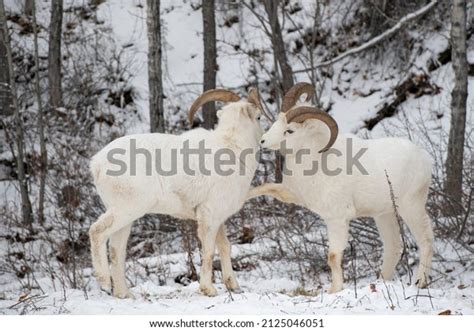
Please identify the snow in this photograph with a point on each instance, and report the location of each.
(261, 295)
(382, 36)
(266, 290)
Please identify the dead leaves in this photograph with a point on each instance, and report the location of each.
(372, 288)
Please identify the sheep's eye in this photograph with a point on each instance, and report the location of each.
(258, 118)
(289, 131)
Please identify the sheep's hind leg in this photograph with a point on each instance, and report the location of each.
(338, 233)
(224, 247)
(99, 250)
(420, 226)
(277, 191)
(99, 233)
(389, 231)
(207, 234)
(117, 253)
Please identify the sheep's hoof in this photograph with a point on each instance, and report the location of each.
(421, 282)
(124, 294)
(232, 285)
(209, 291)
(106, 290)
(334, 289)
(105, 283)
(386, 275)
(237, 290)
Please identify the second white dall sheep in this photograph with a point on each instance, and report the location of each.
(342, 177)
(150, 173)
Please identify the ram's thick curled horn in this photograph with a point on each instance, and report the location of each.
(208, 96)
(294, 93)
(301, 114)
(254, 98)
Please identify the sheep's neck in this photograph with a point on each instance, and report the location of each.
(237, 137)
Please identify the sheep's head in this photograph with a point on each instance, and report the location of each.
(245, 112)
(297, 123)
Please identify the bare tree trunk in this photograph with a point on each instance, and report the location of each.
(155, 73)
(43, 151)
(210, 59)
(5, 95)
(95, 3)
(29, 4)
(454, 162)
(271, 7)
(54, 56)
(25, 199)
(279, 54)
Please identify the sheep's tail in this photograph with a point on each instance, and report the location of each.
(95, 169)
(424, 174)
(427, 169)
(277, 191)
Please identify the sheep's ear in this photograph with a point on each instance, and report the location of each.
(251, 112)
(314, 125)
(310, 124)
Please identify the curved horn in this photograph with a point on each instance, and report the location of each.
(301, 114)
(208, 96)
(254, 98)
(294, 93)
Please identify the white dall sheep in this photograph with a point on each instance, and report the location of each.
(340, 192)
(134, 176)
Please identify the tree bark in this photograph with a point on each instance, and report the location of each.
(29, 4)
(279, 54)
(271, 7)
(210, 59)
(454, 162)
(5, 95)
(95, 3)
(43, 150)
(155, 73)
(26, 209)
(54, 56)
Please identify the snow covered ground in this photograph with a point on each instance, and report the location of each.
(265, 290)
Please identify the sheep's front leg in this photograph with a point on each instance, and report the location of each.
(207, 235)
(224, 247)
(338, 232)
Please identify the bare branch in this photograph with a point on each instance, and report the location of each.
(374, 41)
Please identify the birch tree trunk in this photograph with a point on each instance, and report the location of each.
(155, 73)
(210, 59)
(39, 101)
(54, 56)
(454, 162)
(26, 209)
